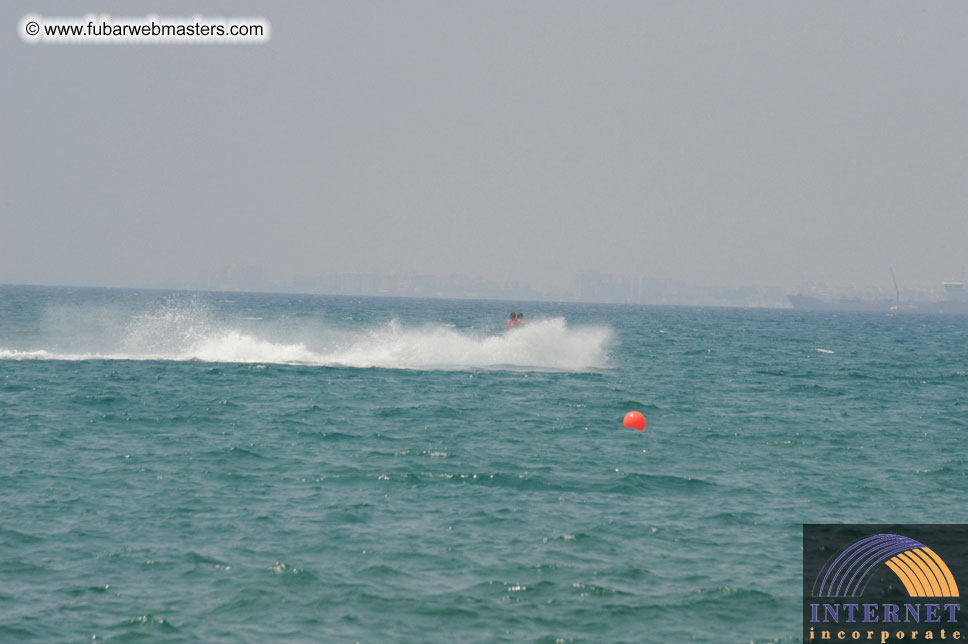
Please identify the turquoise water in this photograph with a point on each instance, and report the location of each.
(251, 468)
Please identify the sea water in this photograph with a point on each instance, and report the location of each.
(230, 467)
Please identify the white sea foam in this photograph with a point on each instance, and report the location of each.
(13, 354)
(189, 332)
(546, 343)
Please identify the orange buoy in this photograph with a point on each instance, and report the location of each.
(635, 420)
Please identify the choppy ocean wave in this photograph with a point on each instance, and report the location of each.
(213, 468)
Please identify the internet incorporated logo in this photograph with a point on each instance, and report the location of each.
(906, 588)
(922, 572)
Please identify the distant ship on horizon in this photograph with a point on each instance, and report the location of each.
(956, 302)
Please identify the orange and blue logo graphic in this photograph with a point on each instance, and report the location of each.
(918, 567)
(883, 583)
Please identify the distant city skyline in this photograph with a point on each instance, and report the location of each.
(591, 286)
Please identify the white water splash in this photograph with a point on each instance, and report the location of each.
(548, 344)
(189, 333)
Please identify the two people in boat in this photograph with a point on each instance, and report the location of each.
(515, 320)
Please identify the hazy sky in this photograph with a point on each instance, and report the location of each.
(720, 143)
